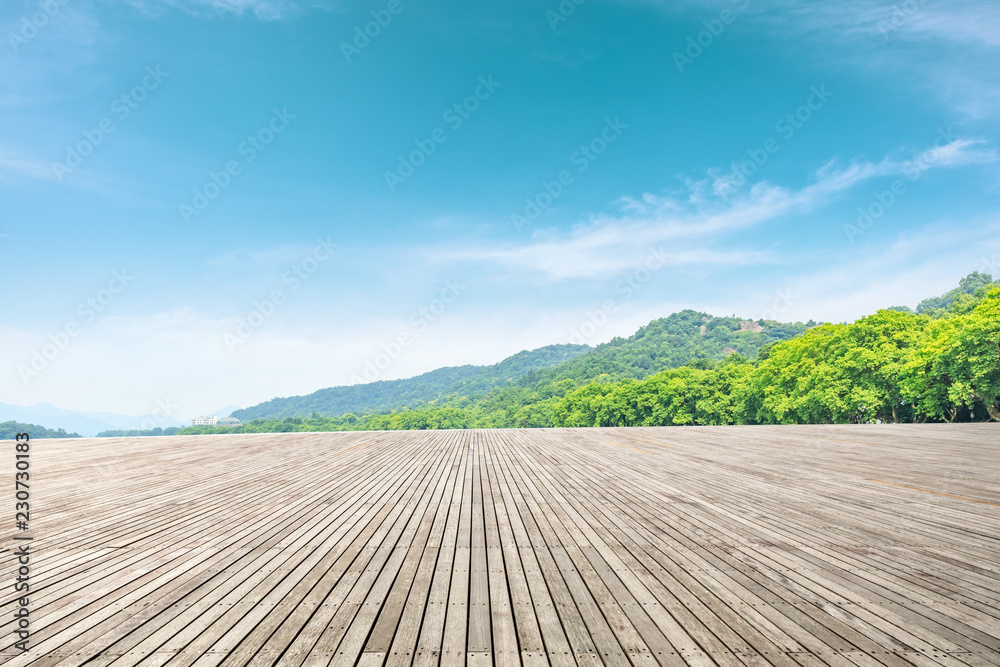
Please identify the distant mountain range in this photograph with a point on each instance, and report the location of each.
(89, 424)
(85, 423)
(666, 343)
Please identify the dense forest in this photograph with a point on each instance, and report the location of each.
(9, 430)
(940, 363)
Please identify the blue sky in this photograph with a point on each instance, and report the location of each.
(286, 212)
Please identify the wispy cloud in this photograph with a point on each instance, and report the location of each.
(953, 44)
(12, 163)
(917, 264)
(957, 153)
(41, 60)
(263, 10)
(17, 169)
(600, 254)
(274, 257)
(959, 21)
(608, 244)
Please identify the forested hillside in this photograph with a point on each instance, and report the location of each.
(666, 343)
(967, 288)
(413, 392)
(940, 365)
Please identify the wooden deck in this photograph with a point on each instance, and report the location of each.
(853, 545)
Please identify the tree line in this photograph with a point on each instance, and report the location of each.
(10, 429)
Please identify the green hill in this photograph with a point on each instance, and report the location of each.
(663, 344)
(424, 389)
(669, 342)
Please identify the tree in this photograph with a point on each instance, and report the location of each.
(879, 348)
(967, 362)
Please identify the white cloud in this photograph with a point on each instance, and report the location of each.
(963, 22)
(916, 265)
(960, 21)
(957, 153)
(15, 167)
(22, 165)
(280, 256)
(263, 10)
(686, 227)
(600, 255)
(953, 45)
(41, 62)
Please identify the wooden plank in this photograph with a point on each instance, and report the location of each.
(454, 644)
(432, 631)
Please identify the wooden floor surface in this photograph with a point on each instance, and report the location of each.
(737, 546)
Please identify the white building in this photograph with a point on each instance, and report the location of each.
(228, 421)
(205, 421)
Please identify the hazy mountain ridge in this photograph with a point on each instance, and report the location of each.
(85, 423)
(426, 388)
